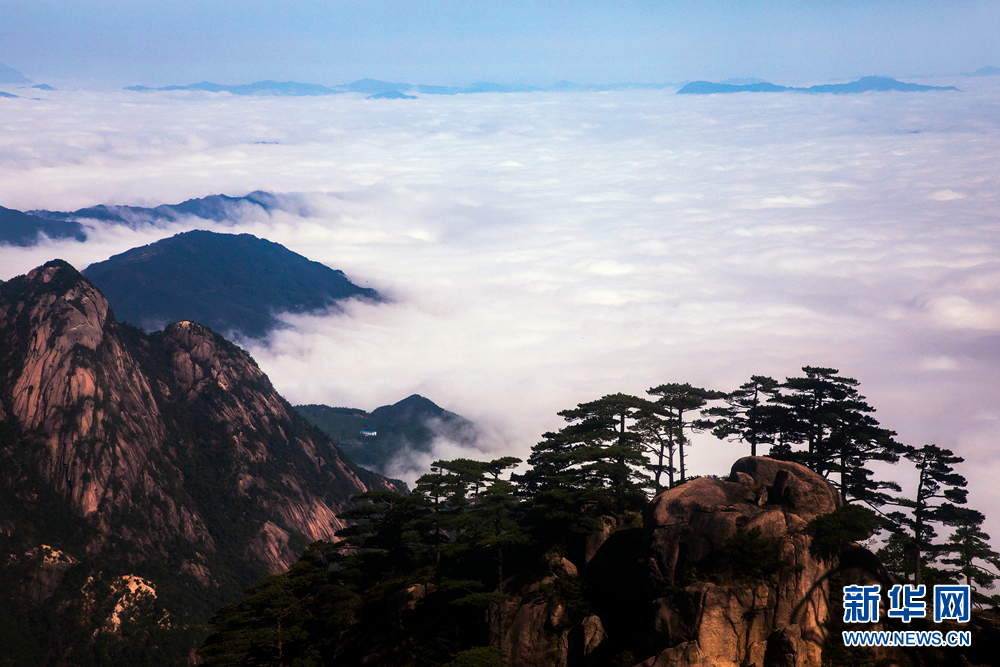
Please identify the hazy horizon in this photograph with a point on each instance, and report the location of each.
(456, 43)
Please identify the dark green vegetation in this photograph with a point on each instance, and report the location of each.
(862, 85)
(375, 439)
(228, 282)
(449, 546)
(23, 229)
(427, 579)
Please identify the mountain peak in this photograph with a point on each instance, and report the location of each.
(167, 458)
(230, 282)
(11, 75)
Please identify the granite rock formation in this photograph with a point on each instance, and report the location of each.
(168, 456)
(750, 618)
(683, 607)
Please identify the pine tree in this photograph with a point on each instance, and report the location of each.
(971, 550)
(443, 491)
(381, 524)
(264, 628)
(750, 415)
(596, 452)
(677, 400)
(938, 486)
(486, 523)
(826, 413)
(658, 434)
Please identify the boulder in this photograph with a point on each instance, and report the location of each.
(773, 618)
(795, 487)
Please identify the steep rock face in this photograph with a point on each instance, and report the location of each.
(775, 618)
(238, 399)
(535, 628)
(168, 456)
(69, 382)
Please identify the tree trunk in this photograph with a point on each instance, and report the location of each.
(680, 440)
(918, 519)
(659, 468)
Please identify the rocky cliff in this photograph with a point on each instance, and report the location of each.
(769, 609)
(721, 573)
(166, 457)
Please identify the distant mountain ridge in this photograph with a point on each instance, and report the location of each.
(986, 71)
(258, 88)
(374, 439)
(212, 207)
(377, 89)
(862, 85)
(23, 228)
(384, 89)
(391, 95)
(229, 282)
(11, 75)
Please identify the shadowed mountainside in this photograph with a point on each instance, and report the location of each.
(374, 439)
(24, 229)
(229, 282)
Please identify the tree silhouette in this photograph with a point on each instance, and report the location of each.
(596, 452)
(485, 523)
(677, 400)
(258, 629)
(971, 550)
(658, 434)
(938, 486)
(826, 413)
(750, 415)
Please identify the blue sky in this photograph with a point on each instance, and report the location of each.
(449, 42)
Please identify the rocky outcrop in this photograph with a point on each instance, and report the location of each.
(537, 625)
(727, 577)
(45, 569)
(747, 616)
(235, 394)
(129, 598)
(151, 453)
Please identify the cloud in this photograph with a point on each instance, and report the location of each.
(616, 257)
(946, 195)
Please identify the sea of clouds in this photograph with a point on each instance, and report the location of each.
(545, 249)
